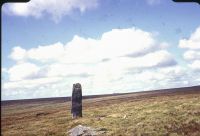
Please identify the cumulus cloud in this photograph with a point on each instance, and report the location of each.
(56, 9)
(4, 70)
(46, 53)
(192, 55)
(115, 43)
(192, 46)
(159, 58)
(195, 65)
(193, 42)
(30, 83)
(23, 71)
(18, 53)
(121, 60)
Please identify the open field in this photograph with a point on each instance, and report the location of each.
(164, 112)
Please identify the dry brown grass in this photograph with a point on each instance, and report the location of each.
(131, 114)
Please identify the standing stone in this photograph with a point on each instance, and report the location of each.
(76, 109)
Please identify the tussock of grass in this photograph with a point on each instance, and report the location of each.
(163, 115)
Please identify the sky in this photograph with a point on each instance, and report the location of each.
(109, 46)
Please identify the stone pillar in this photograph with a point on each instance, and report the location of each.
(76, 98)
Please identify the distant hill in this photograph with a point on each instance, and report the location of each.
(65, 99)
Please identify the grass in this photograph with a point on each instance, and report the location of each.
(164, 115)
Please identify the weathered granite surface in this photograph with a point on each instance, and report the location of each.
(86, 131)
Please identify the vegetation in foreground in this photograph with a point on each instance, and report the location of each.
(169, 115)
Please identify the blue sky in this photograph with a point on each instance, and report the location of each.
(42, 42)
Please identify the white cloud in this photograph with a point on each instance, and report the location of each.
(115, 43)
(23, 71)
(30, 83)
(193, 42)
(46, 53)
(121, 60)
(192, 54)
(195, 65)
(122, 48)
(120, 42)
(160, 58)
(59, 69)
(4, 70)
(18, 53)
(122, 65)
(56, 9)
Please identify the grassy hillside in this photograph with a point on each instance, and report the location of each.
(144, 114)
